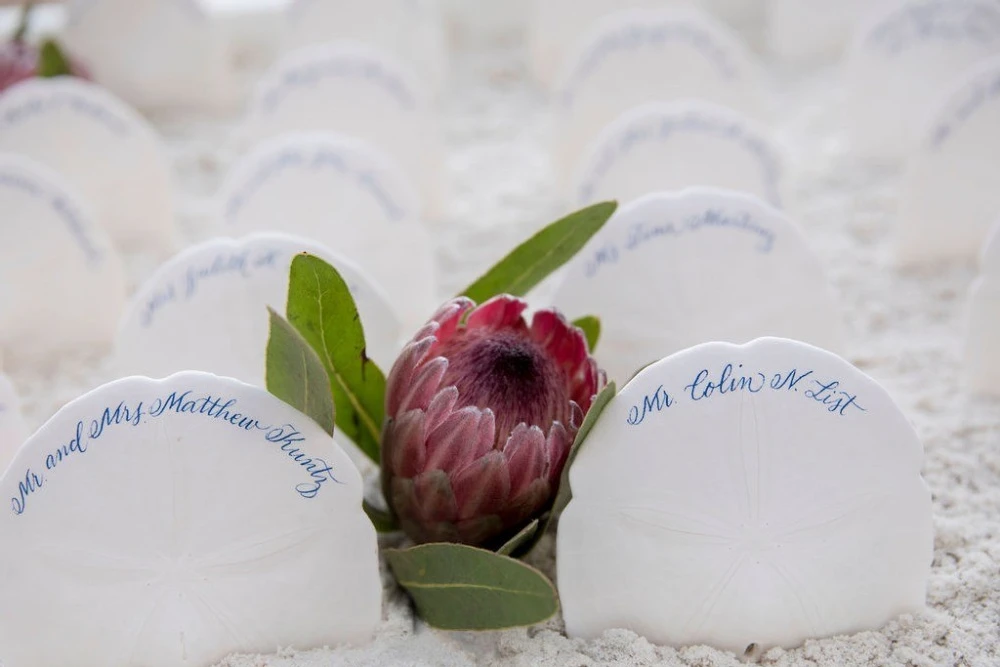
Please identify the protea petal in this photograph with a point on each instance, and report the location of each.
(527, 457)
(449, 446)
(408, 453)
(397, 385)
(530, 501)
(557, 446)
(440, 407)
(500, 312)
(434, 497)
(424, 385)
(483, 486)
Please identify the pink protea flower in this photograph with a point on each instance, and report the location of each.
(19, 61)
(480, 417)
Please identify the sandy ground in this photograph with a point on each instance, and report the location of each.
(905, 329)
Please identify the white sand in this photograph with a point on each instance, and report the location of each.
(904, 329)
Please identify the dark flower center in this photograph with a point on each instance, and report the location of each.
(509, 373)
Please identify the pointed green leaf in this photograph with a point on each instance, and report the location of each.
(523, 537)
(591, 325)
(295, 374)
(51, 60)
(382, 520)
(529, 263)
(457, 587)
(321, 308)
(563, 494)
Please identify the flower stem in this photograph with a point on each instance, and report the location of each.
(22, 25)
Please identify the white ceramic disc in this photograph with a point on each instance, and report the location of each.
(733, 495)
(353, 90)
(61, 283)
(900, 60)
(800, 30)
(949, 197)
(669, 146)
(166, 523)
(982, 354)
(13, 430)
(156, 54)
(633, 57)
(206, 309)
(671, 270)
(413, 30)
(101, 147)
(348, 196)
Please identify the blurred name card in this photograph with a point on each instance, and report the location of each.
(206, 309)
(671, 270)
(949, 197)
(61, 282)
(764, 494)
(173, 522)
(353, 90)
(982, 351)
(903, 57)
(634, 57)
(669, 146)
(103, 148)
(346, 195)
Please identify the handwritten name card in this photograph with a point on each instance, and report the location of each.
(345, 194)
(982, 354)
(353, 90)
(633, 57)
(763, 494)
(101, 147)
(13, 431)
(413, 30)
(206, 309)
(190, 514)
(671, 270)
(61, 283)
(669, 146)
(949, 197)
(901, 59)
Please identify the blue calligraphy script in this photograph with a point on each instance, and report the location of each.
(936, 20)
(634, 36)
(645, 231)
(287, 438)
(63, 208)
(63, 99)
(661, 127)
(733, 379)
(980, 94)
(322, 158)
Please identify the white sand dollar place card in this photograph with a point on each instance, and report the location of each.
(949, 197)
(344, 194)
(173, 522)
(761, 494)
(357, 91)
(903, 56)
(668, 146)
(982, 353)
(13, 431)
(206, 309)
(61, 283)
(633, 57)
(156, 54)
(413, 30)
(671, 270)
(102, 147)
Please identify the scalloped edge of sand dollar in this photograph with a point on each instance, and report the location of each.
(684, 547)
(130, 188)
(415, 144)
(645, 123)
(683, 38)
(948, 204)
(177, 520)
(667, 239)
(250, 271)
(85, 277)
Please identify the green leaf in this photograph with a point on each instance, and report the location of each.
(529, 263)
(295, 373)
(321, 308)
(382, 520)
(523, 537)
(52, 61)
(563, 494)
(591, 325)
(457, 587)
